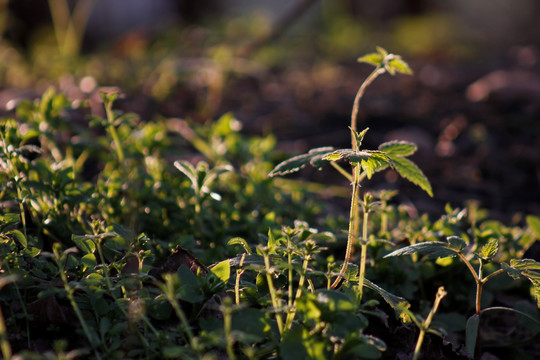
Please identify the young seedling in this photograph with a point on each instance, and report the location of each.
(456, 246)
(364, 162)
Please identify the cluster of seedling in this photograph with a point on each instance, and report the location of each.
(109, 251)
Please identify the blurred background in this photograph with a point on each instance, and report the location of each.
(289, 67)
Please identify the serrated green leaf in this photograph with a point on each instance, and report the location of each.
(528, 268)
(430, 248)
(372, 59)
(222, 270)
(534, 225)
(398, 148)
(407, 169)
(376, 161)
(399, 304)
(525, 264)
(512, 272)
(397, 64)
(313, 157)
(471, 333)
(490, 249)
(456, 243)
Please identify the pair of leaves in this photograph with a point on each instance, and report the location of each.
(391, 63)
(390, 154)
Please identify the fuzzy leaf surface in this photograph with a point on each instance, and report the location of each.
(490, 249)
(431, 248)
(397, 302)
(407, 169)
(398, 148)
(313, 157)
(527, 268)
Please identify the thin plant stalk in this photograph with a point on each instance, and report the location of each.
(168, 289)
(112, 130)
(71, 297)
(301, 281)
(110, 289)
(227, 326)
(363, 255)
(441, 293)
(273, 294)
(357, 177)
(290, 273)
(479, 279)
(239, 273)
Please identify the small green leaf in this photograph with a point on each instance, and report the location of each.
(490, 249)
(187, 169)
(398, 65)
(398, 148)
(398, 303)
(372, 59)
(19, 236)
(456, 243)
(85, 244)
(430, 248)
(313, 157)
(222, 270)
(534, 225)
(240, 241)
(89, 261)
(471, 333)
(376, 161)
(407, 169)
(382, 51)
(8, 220)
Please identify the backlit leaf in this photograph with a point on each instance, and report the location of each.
(411, 172)
(430, 248)
(222, 270)
(398, 65)
(313, 157)
(397, 302)
(372, 59)
(490, 249)
(398, 148)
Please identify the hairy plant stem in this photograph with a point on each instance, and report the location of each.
(424, 326)
(292, 311)
(356, 177)
(239, 273)
(479, 279)
(363, 255)
(273, 294)
(354, 115)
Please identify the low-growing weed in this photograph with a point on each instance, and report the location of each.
(165, 240)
